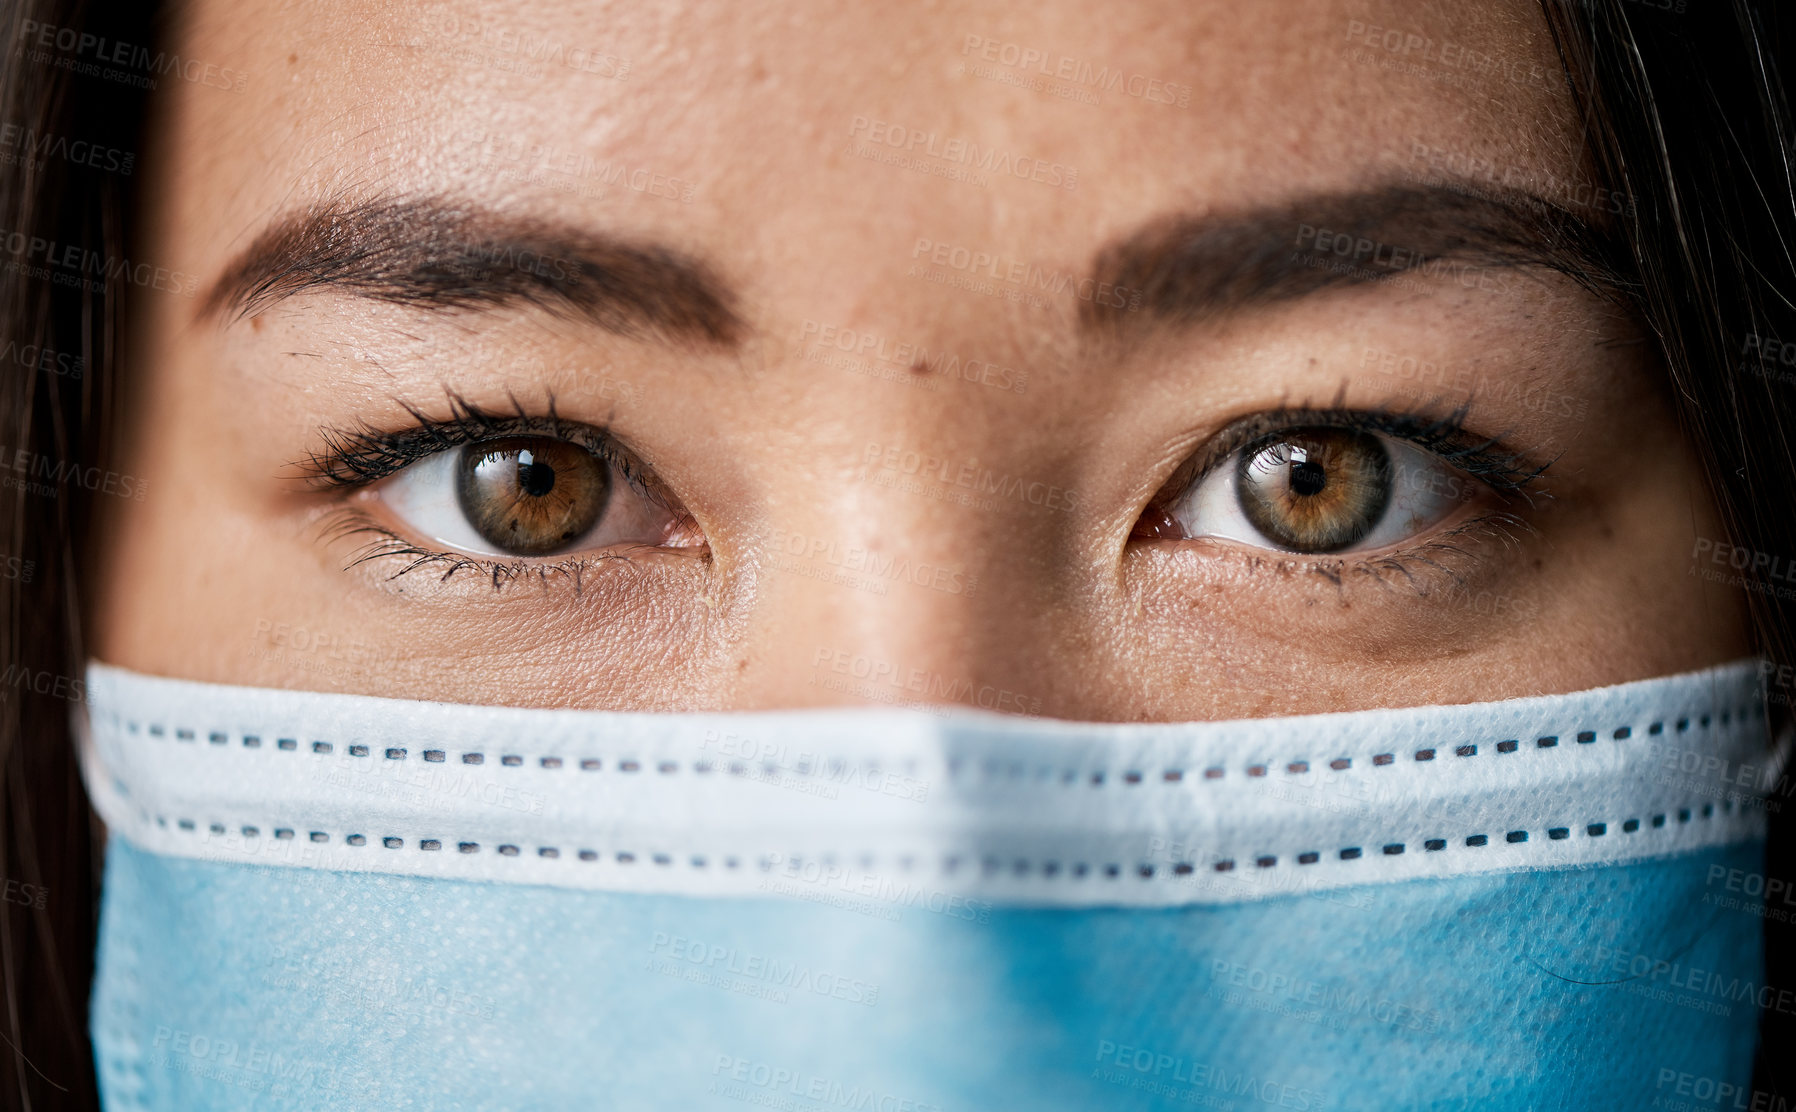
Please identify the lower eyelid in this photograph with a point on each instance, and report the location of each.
(1442, 563)
(373, 543)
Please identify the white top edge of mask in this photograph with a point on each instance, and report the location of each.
(940, 805)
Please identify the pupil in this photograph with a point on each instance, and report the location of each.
(534, 479)
(1308, 478)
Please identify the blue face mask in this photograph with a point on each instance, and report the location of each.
(336, 901)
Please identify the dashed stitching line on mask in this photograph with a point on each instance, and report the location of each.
(955, 766)
(1049, 869)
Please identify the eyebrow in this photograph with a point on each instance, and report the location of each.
(1184, 269)
(445, 255)
(438, 254)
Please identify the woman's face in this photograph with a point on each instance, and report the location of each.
(1162, 360)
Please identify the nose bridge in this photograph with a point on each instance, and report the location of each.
(854, 595)
(910, 577)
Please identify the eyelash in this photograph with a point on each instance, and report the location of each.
(1514, 475)
(352, 459)
(357, 457)
(1506, 470)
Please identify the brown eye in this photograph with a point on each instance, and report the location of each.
(530, 495)
(1314, 490)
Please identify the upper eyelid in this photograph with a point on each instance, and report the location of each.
(1425, 431)
(357, 457)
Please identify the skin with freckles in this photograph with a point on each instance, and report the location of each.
(909, 455)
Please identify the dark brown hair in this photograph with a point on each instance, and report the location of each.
(1685, 115)
(58, 360)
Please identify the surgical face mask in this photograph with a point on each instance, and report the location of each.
(317, 900)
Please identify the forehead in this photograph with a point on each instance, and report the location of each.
(790, 133)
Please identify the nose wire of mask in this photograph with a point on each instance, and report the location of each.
(1013, 809)
(1513, 903)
